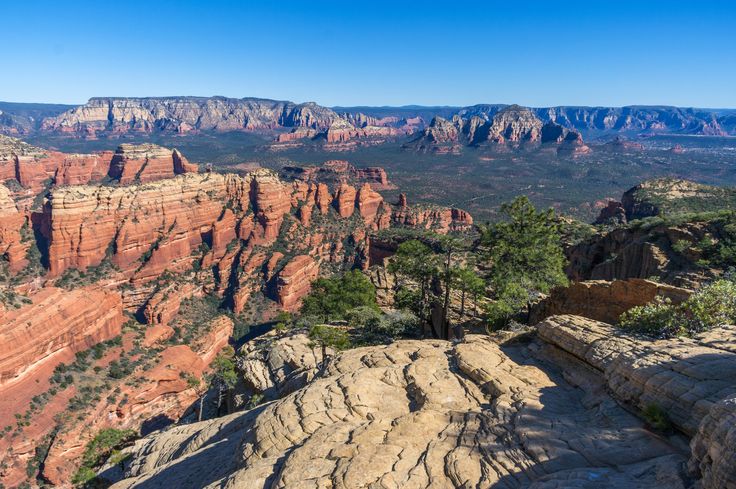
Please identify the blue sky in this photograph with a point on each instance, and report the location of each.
(374, 52)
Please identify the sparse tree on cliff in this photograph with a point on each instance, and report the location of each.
(469, 284)
(525, 258)
(326, 336)
(415, 261)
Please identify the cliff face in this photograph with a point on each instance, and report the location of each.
(185, 114)
(148, 248)
(147, 162)
(56, 321)
(35, 168)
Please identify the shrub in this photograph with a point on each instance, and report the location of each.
(657, 418)
(713, 305)
(101, 446)
(656, 319)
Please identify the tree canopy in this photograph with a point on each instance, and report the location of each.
(524, 255)
(331, 298)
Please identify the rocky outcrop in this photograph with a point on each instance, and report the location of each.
(337, 172)
(165, 303)
(162, 222)
(514, 124)
(12, 247)
(56, 321)
(642, 372)
(714, 445)
(441, 219)
(673, 196)
(345, 200)
(273, 366)
(419, 414)
(644, 252)
(146, 163)
(79, 169)
(690, 380)
(295, 280)
(114, 116)
(613, 213)
(604, 301)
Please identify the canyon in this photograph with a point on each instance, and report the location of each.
(119, 245)
(127, 272)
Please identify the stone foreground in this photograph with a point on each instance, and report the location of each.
(418, 414)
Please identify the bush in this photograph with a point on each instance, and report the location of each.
(101, 446)
(657, 418)
(713, 305)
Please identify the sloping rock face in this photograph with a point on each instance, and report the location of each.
(113, 116)
(515, 124)
(146, 163)
(419, 414)
(644, 252)
(668, 195)
(604, 301)
(274, 367)
(55, 322)
(161, 394)
(691, 380)
(295, 280)
(11, 221)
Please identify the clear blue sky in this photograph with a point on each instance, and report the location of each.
(374, 52)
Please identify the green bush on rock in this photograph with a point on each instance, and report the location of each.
(713, 305)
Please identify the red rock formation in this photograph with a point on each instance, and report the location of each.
(161, 221)
(441, 219)
(373, 174)
(271, 199)
(345, 200)
(223, 233)
(78, 169)
(56, 321)
(146, 162)
(11, 222)
(294, 281)
(163, 392)
(305, 214)
(323, 198)
(164, 304)
(297, 134)
(368, 202)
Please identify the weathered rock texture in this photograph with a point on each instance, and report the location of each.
(103, 116)
(35, 168)
(11, 221)
(691, 380)
(604, 301)
(644, 252)
(276, 366)
(419, 414)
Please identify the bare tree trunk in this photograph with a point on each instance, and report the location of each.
(201, 406)
(446, 304)
(462, 305)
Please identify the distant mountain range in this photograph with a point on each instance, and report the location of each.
(113, 116)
